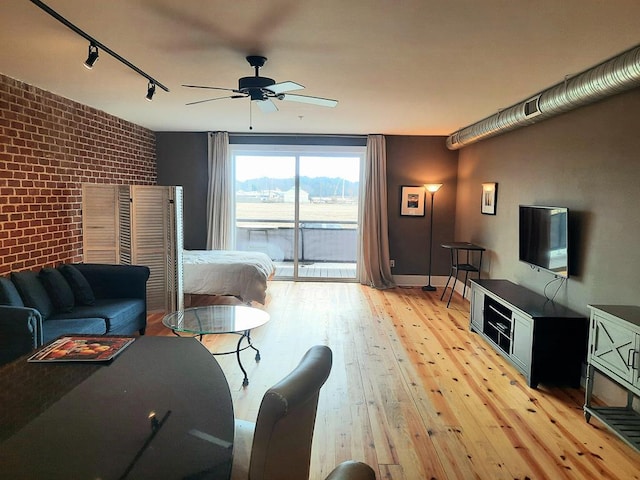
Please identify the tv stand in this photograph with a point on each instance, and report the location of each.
(545, 341)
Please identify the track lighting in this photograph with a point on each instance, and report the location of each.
(92, 57)
(94, 45)
(151, 89)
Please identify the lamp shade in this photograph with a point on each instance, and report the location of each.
(432, 187)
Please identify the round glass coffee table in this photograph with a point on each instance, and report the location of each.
(218, 319)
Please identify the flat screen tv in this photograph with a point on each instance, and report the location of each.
(544, 233)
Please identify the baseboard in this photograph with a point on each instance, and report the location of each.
(420, 280)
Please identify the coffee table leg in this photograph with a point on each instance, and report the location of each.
(246, 334)
(245, 381)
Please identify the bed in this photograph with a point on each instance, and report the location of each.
(227, 272)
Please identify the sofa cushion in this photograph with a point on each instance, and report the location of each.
(32, 292)
(118, 314)
(82, 291)
(52, 329)
(58, 289)
(8, 294)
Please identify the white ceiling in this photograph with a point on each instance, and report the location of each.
(404, 67)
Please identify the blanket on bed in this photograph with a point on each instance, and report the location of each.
(227, 272)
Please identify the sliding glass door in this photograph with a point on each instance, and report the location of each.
(328, 217)
(300, 207)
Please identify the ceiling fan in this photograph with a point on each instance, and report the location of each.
(263, 90)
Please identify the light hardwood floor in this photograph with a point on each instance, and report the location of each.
(415, 394)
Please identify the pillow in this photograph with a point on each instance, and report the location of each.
(58, 289)
(82, 291)
(33, 293)
(8, 294)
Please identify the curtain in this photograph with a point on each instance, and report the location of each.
(374, 240)
(219, 201)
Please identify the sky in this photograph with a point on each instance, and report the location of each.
(249, 167)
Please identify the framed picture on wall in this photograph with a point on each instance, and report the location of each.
(412, 201)
(489, 198)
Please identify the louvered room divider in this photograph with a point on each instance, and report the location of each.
(137, 225)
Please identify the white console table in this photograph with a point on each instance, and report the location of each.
(614, 351)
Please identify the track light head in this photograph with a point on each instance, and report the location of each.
(92, 57)
(151, 89)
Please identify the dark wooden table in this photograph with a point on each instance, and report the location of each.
(93, 421)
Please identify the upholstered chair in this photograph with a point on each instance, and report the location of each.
(283, 432)
(351, 470)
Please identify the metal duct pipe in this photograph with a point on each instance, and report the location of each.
(610, 77)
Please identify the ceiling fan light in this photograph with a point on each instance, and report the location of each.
(263, 90)
(92, 57)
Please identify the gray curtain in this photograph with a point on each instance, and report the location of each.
(219, 201)
(374, 240)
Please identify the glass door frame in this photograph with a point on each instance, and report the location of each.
(298, 151)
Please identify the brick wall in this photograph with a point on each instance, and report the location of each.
(49, 147)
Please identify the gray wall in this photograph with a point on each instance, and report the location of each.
(587, 160)
(414, 161)
(411, 160)
(182, 160)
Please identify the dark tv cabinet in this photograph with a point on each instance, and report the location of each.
(545, 341)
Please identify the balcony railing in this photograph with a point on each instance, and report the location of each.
(318, 241)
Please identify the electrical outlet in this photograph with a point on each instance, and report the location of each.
(392, 263)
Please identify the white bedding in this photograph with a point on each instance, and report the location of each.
(227, 272)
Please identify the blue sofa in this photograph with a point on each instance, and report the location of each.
(83, 299)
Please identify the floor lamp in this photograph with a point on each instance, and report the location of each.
(432, 188)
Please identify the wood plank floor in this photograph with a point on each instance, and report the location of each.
(415, 394)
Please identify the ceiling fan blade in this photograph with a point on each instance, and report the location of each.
(213, 88)
(267, 106)
(323, 102)
(217, 98)
(284, 87)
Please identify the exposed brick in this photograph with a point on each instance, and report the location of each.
(49, 147)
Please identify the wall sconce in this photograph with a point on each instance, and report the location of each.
(432, 188)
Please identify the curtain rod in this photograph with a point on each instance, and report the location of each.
(312, 135)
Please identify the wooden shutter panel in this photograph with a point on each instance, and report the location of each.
(174, 256)
(100, 226)
(149, 227)
(138, 225)
(124, 220)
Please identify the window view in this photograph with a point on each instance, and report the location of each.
(301, 209)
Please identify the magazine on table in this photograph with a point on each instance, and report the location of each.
(82, 348)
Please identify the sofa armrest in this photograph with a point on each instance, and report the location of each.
(20, 331)
(116, 281)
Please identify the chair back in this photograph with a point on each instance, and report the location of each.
(284, 427)
(351, 470)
